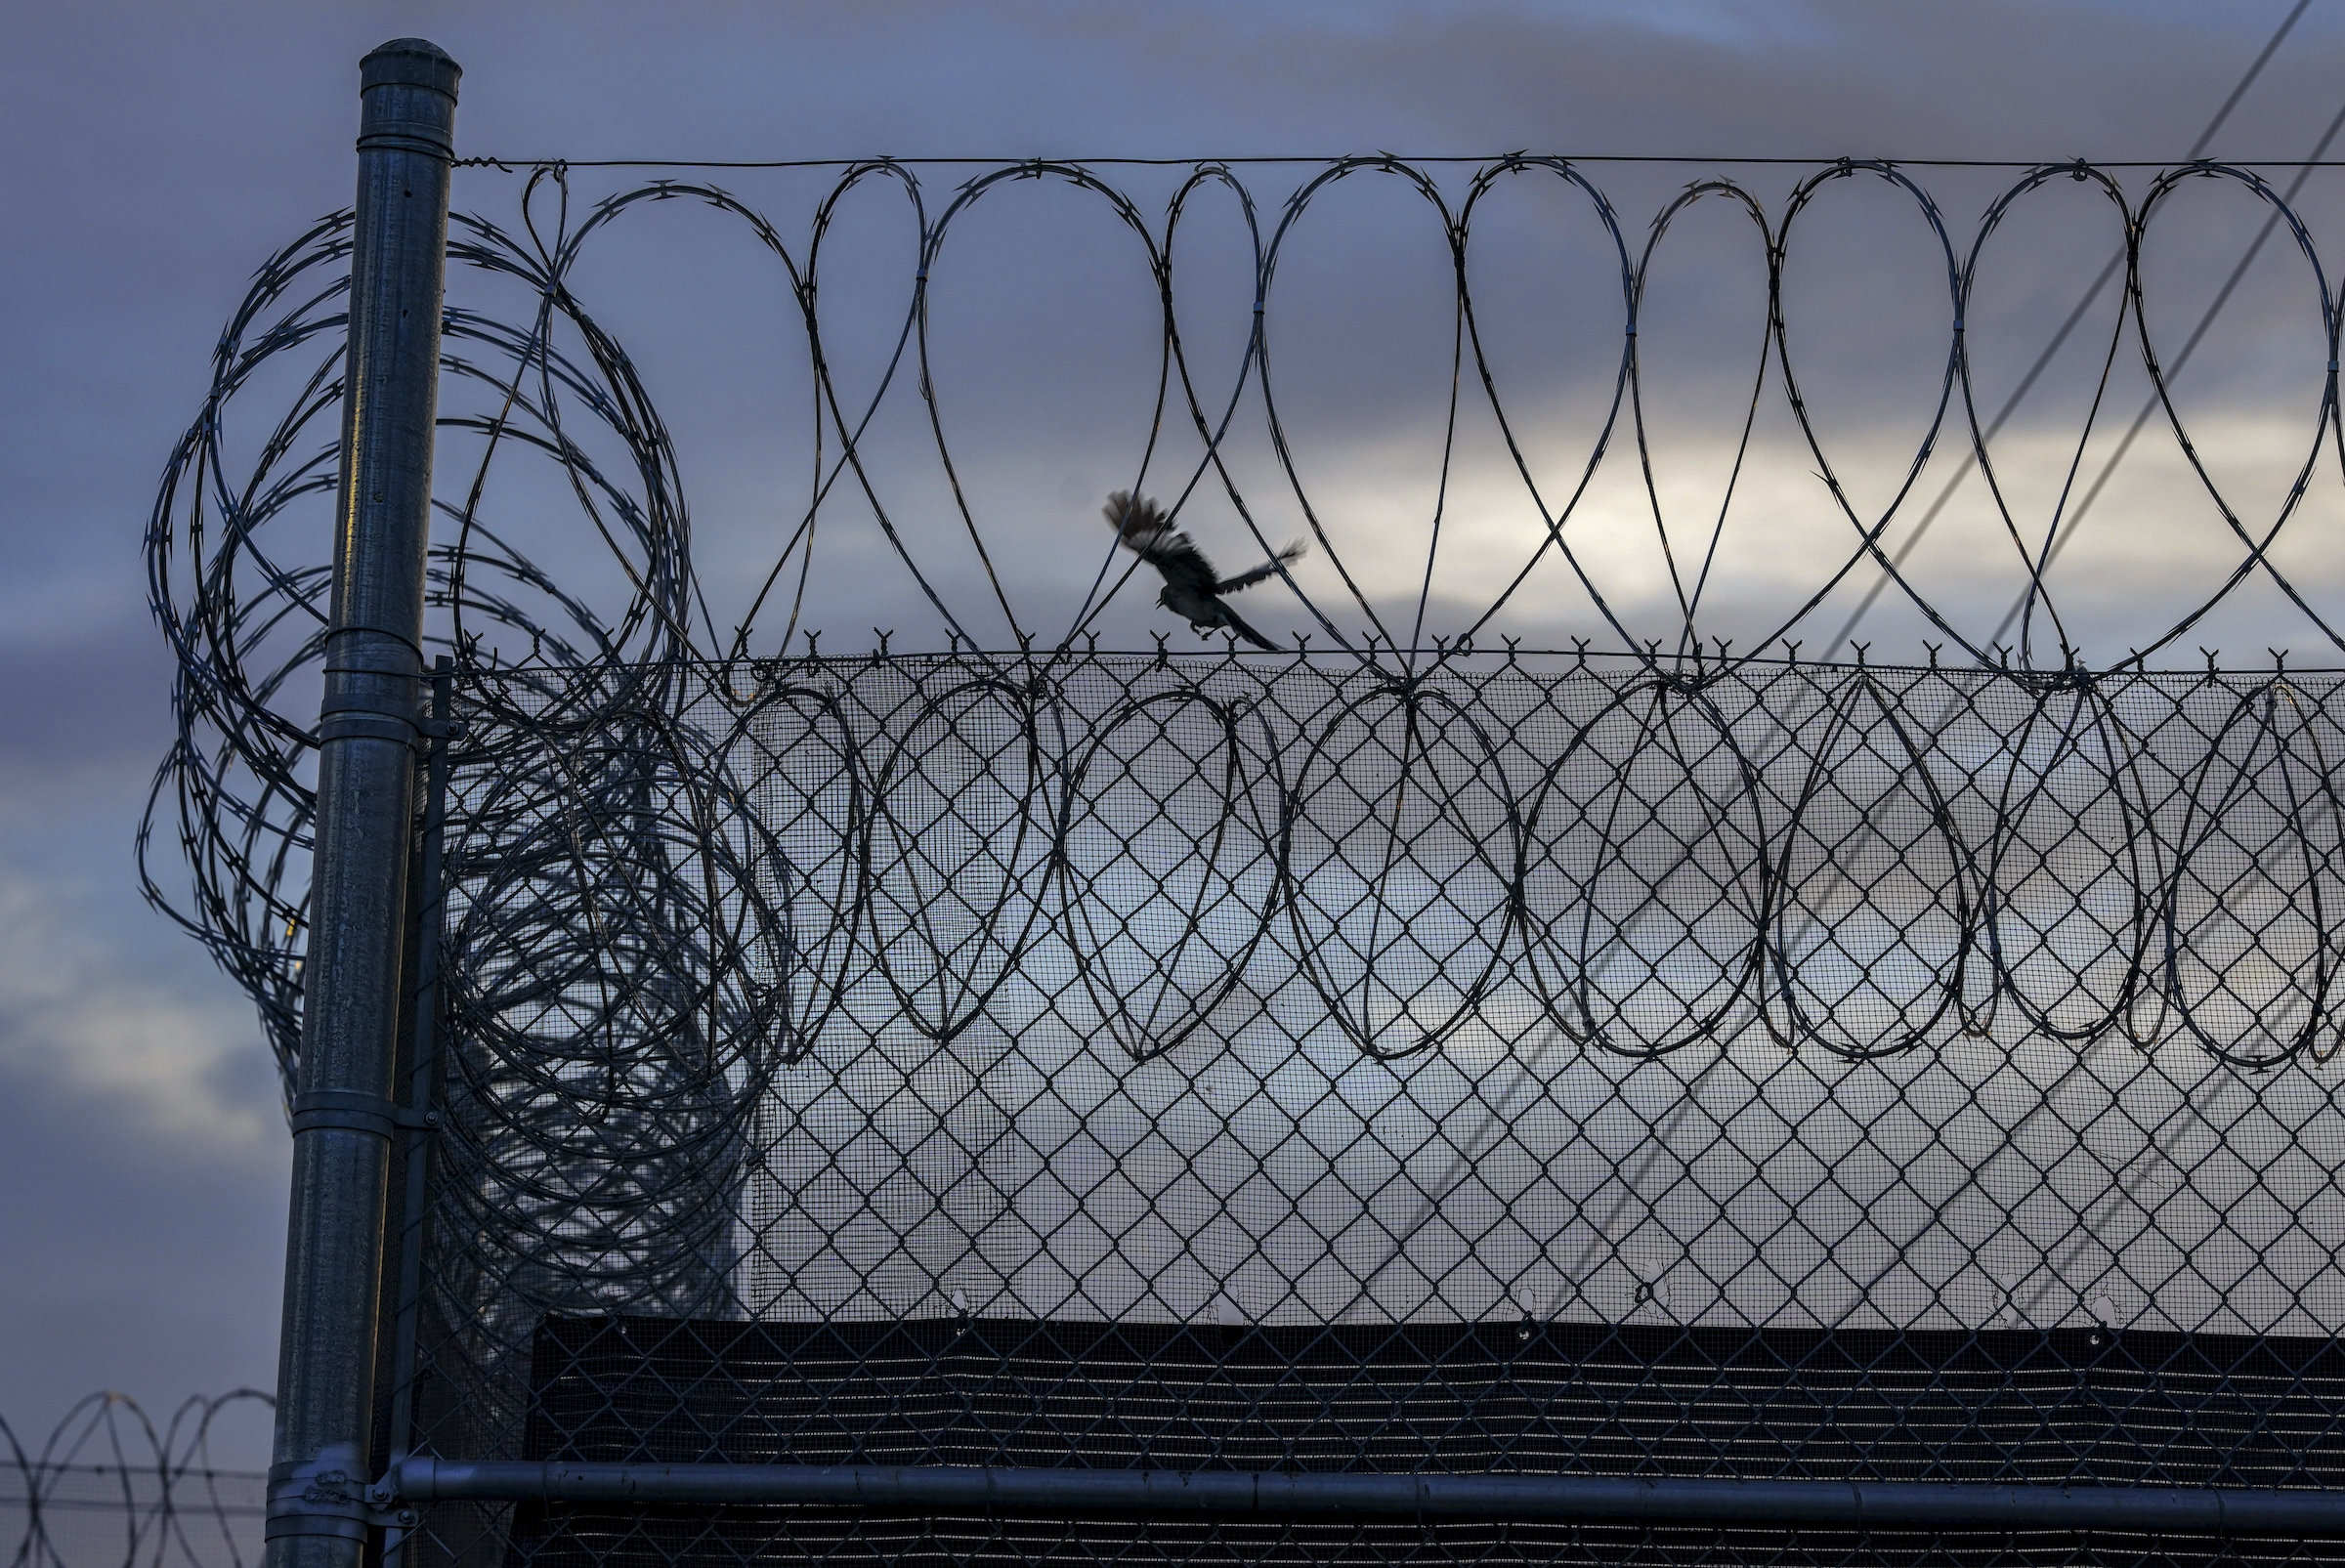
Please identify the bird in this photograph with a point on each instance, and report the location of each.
(1192, 590)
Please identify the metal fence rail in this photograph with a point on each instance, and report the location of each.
(1152, 1495)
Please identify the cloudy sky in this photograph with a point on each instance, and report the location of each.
(160, 152)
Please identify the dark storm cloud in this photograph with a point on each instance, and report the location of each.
(158, 152)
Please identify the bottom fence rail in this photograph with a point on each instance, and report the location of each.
(1889, 1505)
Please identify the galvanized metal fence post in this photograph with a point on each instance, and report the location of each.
(344, 1116)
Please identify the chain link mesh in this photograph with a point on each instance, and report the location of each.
(1523, 1064)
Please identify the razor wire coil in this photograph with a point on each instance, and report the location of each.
(110, 1485)
(241, 606)
(1409, 983)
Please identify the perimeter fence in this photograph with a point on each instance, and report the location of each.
(1252, 1063)
(109, 1488)
(1353, 1103)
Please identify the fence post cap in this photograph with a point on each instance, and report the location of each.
(409, 62)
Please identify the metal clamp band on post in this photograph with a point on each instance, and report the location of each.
(361, 724)
(412, 137)
(374, 678)
(320, 1497)
(357, 1111)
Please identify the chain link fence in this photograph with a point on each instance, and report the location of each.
(1513, 1065)
(111, 1488)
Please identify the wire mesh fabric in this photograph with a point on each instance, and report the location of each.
(1529, 1063)
(738, 1535)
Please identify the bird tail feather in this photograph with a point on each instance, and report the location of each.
(1267, 569)
(1237, 623)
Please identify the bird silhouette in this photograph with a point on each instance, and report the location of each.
(1192, 589)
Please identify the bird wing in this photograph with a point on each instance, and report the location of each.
(1184, 565)
(1139, 521)
(1268, 569)
(1142, 528)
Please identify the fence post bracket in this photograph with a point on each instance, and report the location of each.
(321, 1497)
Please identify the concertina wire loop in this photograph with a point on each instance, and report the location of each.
(814, 1026)
(111, 1484)
(241, 606)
